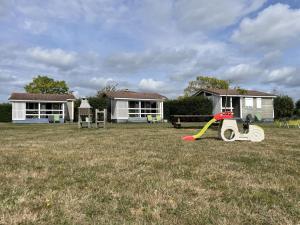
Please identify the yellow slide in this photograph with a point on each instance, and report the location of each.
(201, 132)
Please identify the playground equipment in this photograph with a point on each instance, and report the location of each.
(228, 130)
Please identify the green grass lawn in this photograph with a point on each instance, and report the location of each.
(145, 174)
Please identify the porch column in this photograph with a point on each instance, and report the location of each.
(162, 109)
(241, 107)
(140, 109)
(39, 110)
(63, 110)
(72, 111)
(231, 109)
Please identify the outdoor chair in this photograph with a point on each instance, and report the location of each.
(150, 119)
(56, 119)
(293, 123)
(258, 117)
(157, 118)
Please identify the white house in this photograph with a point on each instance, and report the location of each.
(134, 106)
(41, 108)
(241, 103)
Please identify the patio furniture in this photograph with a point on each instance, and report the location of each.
(56, 119)
(258, 117)
(157, 118)
(150, 119)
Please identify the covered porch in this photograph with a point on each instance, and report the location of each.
(232, 104)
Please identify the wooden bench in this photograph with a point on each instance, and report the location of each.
(177, 120)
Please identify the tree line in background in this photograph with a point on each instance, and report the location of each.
(284, 107)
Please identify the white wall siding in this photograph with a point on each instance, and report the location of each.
(18, 110)
(119, 109)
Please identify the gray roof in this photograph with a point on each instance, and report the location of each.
(235, 92)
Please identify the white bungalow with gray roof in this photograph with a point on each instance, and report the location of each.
(241, 103)
(41, 108)
(130, 106)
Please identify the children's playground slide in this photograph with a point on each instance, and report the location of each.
(229, 125)
(217, 117)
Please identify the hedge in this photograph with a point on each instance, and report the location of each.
(188, 106)
(5, 112)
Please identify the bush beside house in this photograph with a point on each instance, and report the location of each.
(188, 106)
(5, 112)
(283, 107)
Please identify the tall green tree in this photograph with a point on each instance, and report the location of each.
(297, 104)
(46, 85)
(283, 106)
(205, 82)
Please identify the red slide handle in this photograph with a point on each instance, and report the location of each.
(223, 115)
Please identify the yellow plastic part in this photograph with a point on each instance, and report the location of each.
(203, 130)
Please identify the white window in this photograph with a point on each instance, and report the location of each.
(249, 102)
(258, 103)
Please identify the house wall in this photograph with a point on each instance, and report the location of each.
(119, 110)
(266, 110)
(18, 111)
(69, 111)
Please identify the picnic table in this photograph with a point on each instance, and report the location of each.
(177, 120)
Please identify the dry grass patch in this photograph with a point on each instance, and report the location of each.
(145, 174)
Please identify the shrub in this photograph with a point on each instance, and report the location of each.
(188, 106)
(5, 112)
(283, 107)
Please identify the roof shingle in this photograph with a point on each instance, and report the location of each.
(134, 95)
(41, 97)
(235, 92)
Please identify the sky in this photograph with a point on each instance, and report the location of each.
(150, 45)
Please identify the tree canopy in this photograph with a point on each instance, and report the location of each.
(46, 85)
(298, 104)
(205, 82)
(283, 106)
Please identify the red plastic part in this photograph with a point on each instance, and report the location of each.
(223, 115)
(188, 138)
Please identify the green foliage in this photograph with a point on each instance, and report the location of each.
(241, 91)
(297, 104)
(188, 106)
(5, 112)
(205, 82)
(283, 107)
(46, 85)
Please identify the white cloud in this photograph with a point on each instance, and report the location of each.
(35, 27)
(281, 75)
(275, 27)
(196, 15)
(243, 72)
(136, 61)
(152, 85)
(53, 57)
